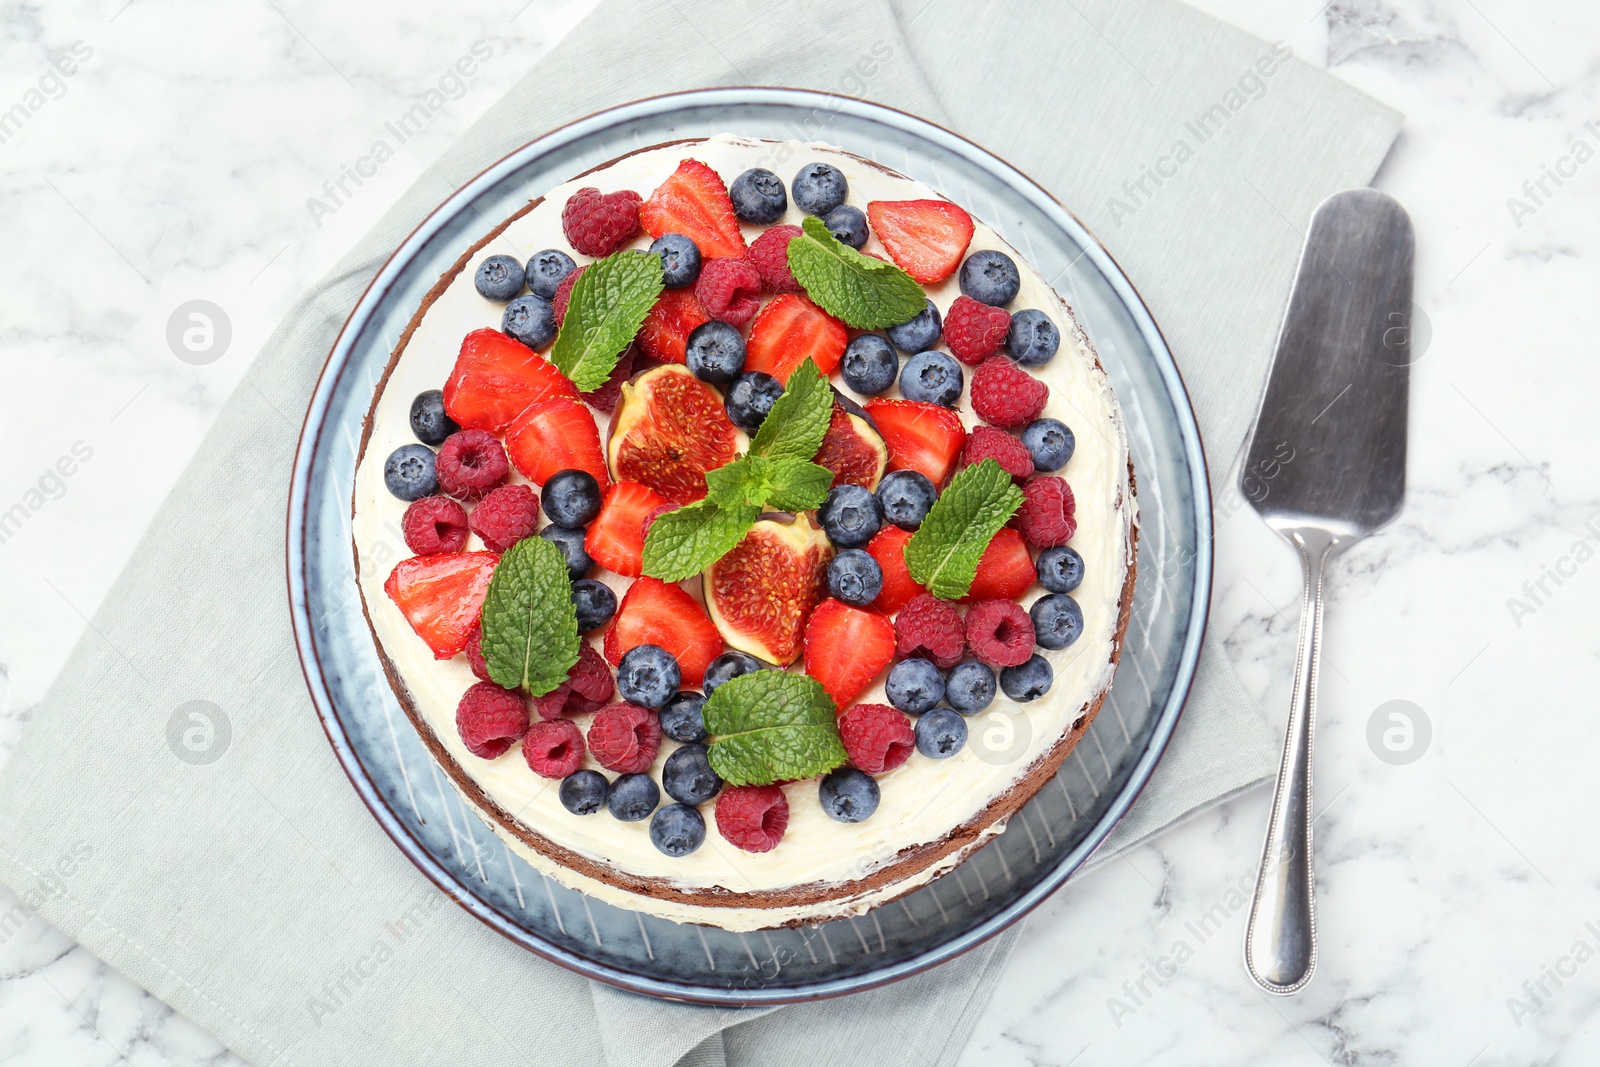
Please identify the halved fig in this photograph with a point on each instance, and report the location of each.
(668, 430)
(852, 450)
(760, 594)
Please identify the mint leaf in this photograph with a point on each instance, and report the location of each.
(744, 481)
(943, 554)
(684, 542)
(799, 418)
(530, 627)
(864, 291)
(772, 726)
(607, 307)
(797, 484)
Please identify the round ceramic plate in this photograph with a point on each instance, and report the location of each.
(1046, 841)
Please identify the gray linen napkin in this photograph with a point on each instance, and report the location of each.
(244, 890)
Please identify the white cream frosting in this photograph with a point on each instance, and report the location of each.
(924, 799)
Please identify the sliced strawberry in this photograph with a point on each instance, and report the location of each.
(495, 377)
(925, 238)
(654, 612)
(921, 437)
(441, 596)
(694, 202)
(1006, 570)
(846, 647)
(616, 537)
(790, 329)
(556, 435)
(667, 327)
(888, 547)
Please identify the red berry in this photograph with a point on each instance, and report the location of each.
(441, 596)
(470, 463)
(654, 612)
(877, 737)
(986, 442)
(616, 537)
(888, 547)
(605, 398)
(927, 626)
(597, 224)
(506, 516)
(490, 719)
(752, 817)
(475, 660)
(769, 254)
(435, 524)
(591, 678)
(974, 331)
(846, 647)
(556, 435)
(925, 238)
(790, 330)
(563, 295)
(694, 201)
(664, 336)
(1000, 632)
(495, 377)
(1006, 570)
(1048, 515)
(920, 437)
(730, 290)
(1005, 395)
(553, 747)
(625, 738)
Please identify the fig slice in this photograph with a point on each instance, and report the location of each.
(853, 450)
(761, 593)
(669, 429)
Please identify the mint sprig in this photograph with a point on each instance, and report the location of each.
(864, 291)
(772, 726)
(684, 542)
(608, 304)
(799, 417)
(943, 554)
(530, 626)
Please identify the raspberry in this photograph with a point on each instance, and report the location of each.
(606, 397)
(590, 679)
(1005, 395)
(475, 660)
(553, 703)
(1000, 632)
(927, 626)
(730, 290)
(598, 224)
(877, 737)
(506, 516)
(564, 295)
(769, 254)
(625, 738)
(553, 748)
(490, 719)
(986, 442)
(753, 817)
(435, 524)
(1048, 516)
(470, 463)
(974, 331)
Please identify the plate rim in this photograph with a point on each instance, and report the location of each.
(337, 361)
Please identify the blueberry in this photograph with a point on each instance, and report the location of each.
(969, 687)
(818, 188)
(1060, 569)
(905, 497)
(570, 542)
(1050, 442)
(545, 271)
(409, 472)
(1030, 681)
(750, 398)
(571, 498)
(848, 794)
(932, 378)
(716, 352)
(869, 365)
(584, 792)
(499, 278)
(595, 602)
(850, 515)
(681, 719)
(914, 685)
(531, 320)
(855, 577)
(920, 333)
(1033, 338)
(687, 775)
(1057, 620)
(677, 829)
(428, 419)
(990, 277)
(758, 197)
(727, 667)
(633, 797)
(648, 676)
(848, 225)
(680, 259)
(941, 733)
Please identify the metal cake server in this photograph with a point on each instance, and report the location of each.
(1326, 466)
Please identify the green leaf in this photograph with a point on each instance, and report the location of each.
(797, 485)
(864, 291)
(799, 417)
(943, 554)
(607, 307)
(743, 481)
(530, 627)
(684, 542)
(772, 726)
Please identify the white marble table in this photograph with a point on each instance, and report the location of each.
(1456, 890)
